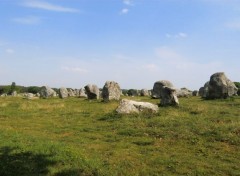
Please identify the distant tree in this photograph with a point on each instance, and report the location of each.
(132, 92)
(12, 88)
(33, 89)
(124, 91)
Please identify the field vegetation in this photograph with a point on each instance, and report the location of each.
(80, 137)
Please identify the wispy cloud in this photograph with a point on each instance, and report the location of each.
(9, 51)
(31, 20)
(128, 2)
(178, 35)
(124, 11)
(75, 69)
(48, 6)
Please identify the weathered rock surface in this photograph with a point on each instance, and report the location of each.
(82, 93)
(218, 87)
(111, 91)
(205, 90)
(200, 92)
(183, 92)
(133, 92)
(92, 91)
(168, 96)
(157, 87)
(144, 92)
(14, 94)
(46, 92)
(71, 93)
(129, 106)
(63, 92)
(28, 96)
(195, 93)
(4, 95)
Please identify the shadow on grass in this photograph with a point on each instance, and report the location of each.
(13, 162)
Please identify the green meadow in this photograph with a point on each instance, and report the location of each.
(78, 137)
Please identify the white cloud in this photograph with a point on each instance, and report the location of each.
(31, 20)
(124, 11)
(178, 35)
(75, 69)
(128, 2)
(48, 6)
(9, 51)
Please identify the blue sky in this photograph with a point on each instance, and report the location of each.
(72, 43)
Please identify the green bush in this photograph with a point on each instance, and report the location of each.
(33, 89)
(133, 92)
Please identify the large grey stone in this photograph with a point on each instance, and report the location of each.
(133, 92)
(168, 96)
(167, 93)
(130, 106)
(28, 96)
(144, 92)
(71, 93)
(46, 92)
(82, 93)
(157, 87)
(183, 92)
(14, 94)
(63, 92)
(92, 91)
(111, 91)
(220, 86)
(195, 93)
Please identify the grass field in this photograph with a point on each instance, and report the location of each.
(80, 137)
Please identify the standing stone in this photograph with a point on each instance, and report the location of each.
(82, 93)
(71, 93)
(221, 87)
(92, 91)
(111, 91)
(205, 90)
(46, 92)
(200, 92)
(4, 95)
(28, 96)
(76, 92)
(14, 94)
(144, 92)
(195, 93)
(63, 92)
(133, 92)
(166, 92)
(183, 92)
(157, 87)
(168, 96)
